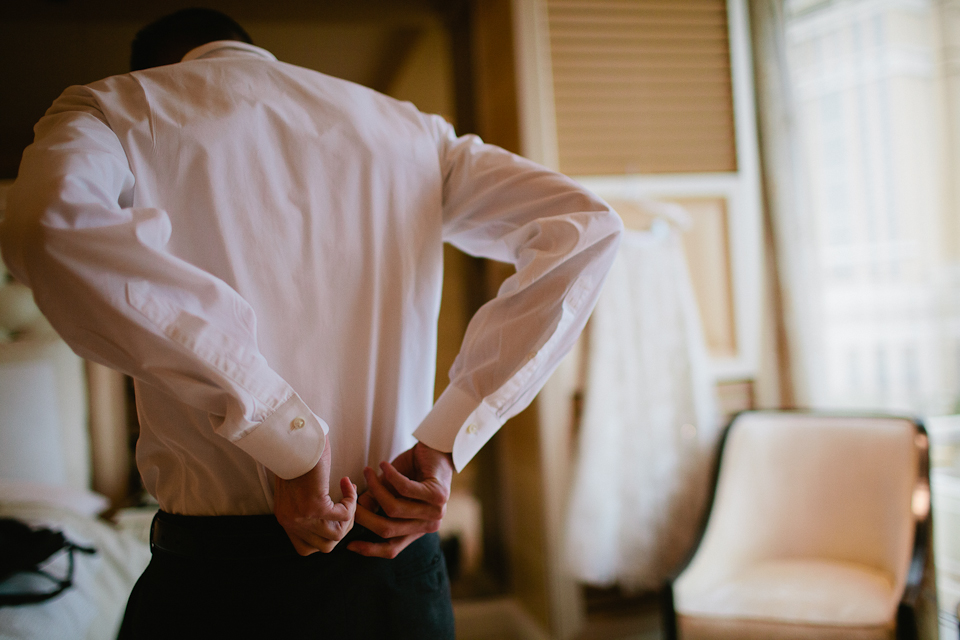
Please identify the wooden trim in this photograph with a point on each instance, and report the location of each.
(109, 445)
(535, 93)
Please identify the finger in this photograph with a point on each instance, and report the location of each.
(349, 491)
(335, 523)
(338, 511)
(349, 500)
(368, 502)
(396, 507)
(429, 490)
(389, 549)
(402, 508)
(300, 546)
(394, 527)
(323, 536)
(366, 517)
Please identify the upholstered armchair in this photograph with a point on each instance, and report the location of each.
(817, 529)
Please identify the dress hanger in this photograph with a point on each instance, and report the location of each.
(646, 215)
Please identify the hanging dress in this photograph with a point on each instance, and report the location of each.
(649, 420)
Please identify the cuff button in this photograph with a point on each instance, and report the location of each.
(297, 423)
(472, 430)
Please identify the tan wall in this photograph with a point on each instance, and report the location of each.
(43, 54)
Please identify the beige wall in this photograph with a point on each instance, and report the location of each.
(39, 60)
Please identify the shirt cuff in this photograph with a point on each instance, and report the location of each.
(289, 442)
(459, 425)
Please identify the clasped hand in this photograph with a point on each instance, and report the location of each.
(305, 510)
(406, 501)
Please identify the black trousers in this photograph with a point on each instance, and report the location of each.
(239, 577)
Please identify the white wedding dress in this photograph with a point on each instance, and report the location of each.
(649, 420)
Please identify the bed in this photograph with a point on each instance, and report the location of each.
(47, 464)
(90, 609)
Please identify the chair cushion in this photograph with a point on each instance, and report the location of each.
(813, 592)
(693, 628)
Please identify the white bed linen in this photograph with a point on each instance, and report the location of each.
(93, 607)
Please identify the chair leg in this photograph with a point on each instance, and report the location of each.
(906, 622)
(668, 615)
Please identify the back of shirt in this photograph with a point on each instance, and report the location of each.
(260, 247)
(319, 203)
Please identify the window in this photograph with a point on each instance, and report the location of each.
(873, 98)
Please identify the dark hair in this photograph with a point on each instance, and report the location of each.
(168, 39)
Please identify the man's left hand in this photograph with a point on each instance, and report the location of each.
(412, 493)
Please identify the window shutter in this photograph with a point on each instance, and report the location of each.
(642, 86)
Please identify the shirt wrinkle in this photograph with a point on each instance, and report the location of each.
(285, 286)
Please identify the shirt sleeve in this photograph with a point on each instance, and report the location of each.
(562, 240)
(100, 272)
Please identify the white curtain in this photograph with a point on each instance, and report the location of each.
(649, 420)
(859, 107)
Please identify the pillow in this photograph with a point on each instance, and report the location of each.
(43, 413)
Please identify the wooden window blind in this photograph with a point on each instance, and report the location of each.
(642, 86)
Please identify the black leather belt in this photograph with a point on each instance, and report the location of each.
(219, 537)
(231, 537)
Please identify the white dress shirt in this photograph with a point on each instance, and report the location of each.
(260, 246)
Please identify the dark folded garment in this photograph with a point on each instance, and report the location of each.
(25, 553)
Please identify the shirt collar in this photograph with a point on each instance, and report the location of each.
(227, 48)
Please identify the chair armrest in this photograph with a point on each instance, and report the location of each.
(668, 613)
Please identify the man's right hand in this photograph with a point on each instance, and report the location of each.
(305, 510)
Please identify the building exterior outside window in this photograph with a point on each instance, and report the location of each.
(875, 85)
